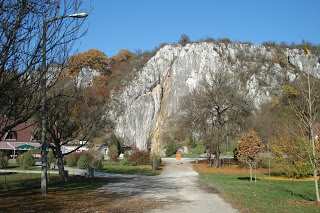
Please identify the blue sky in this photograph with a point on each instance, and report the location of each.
(144, 24)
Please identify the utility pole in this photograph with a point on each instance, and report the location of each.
(44, 143)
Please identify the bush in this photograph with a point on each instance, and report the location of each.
(264, 160)
(198, 149)
(51, 158)
(171, 149)
(96, 163)
(191, 143)
(138, 157)
(290, 156)
(184, 40)
(113, 152)
(156, 161)
(95, 159)
(225, 41)
(3, 160)
(296, 170)
(72, 159)
(84, 161)
(26, 160)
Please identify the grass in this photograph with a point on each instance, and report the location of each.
(14, 181)
(79, 194)
(190, 155)
(122, 168)
(12, 164)
(265, 195)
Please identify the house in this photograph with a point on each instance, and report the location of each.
(79, 146)
(19, 139)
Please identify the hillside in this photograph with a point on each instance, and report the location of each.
(156, 92)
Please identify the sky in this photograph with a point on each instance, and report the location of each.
(144, 24)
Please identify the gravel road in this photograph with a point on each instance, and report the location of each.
(177, 189)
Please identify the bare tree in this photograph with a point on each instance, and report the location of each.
(216, 109)
(305, 103)
(33, 33)
(20, 53)
(74, 115)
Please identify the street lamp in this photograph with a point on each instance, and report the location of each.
(78, 15)
(44, 169)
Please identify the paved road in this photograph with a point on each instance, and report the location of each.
(177, 188)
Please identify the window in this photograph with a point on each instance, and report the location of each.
(12, 135)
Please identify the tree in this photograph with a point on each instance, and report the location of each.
(3, 160)
(72, 115)
(173, 134)
(24, 53)
(51, 159)
(217, 109)
(305, 103)
(184, 40)
(93, 59)
(20, 53)
(249, 146)
(290, 154)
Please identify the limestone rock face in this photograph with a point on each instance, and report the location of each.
(159, 88)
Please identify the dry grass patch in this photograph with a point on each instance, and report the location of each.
(78, 195)
(203, 167)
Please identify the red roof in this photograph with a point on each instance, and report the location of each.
(24, 132)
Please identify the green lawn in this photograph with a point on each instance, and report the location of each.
(22, 194)
(14, 181)
(190, 155)
(121, 168)
(14, 165)
(265, 195)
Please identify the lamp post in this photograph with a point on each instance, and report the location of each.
(44, 144)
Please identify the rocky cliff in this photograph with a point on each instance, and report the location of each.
(158, 89)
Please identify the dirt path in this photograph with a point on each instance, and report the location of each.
(176, 189)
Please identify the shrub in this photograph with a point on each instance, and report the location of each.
(3, 160)
(51, 158)
(156, 161)
(235, 154)
(191, 143)
(20, 160)
(184, 40)
(72, 159)
(139, 157)
(264, 160)
(26, 160)
(224, 41)
(290, 156)
(198, 149)
(298, 169)
(171, 149)
(96, 164)
(84, 161)
(113, 152)
(95, 160)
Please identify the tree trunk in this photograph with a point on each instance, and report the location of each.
(255, 173)
(311, 139)
(217, 162)
(210, 160)
(315, 176)
(155, 163)
(44, 157)
(63, 174)
(44, 170)
(250, 167)
(90, 172)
